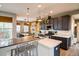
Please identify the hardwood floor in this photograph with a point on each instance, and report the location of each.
(72, 51)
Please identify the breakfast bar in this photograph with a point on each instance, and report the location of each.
(18, 43)
(32, 44)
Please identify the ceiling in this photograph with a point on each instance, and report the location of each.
(20, 8)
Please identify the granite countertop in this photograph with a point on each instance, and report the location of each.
(62, 35)
(49, 42)
(16, 41)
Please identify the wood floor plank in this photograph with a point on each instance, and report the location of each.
(72, 51)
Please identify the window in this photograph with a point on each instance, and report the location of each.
(18, 28)
(26, 28)
(5, 30)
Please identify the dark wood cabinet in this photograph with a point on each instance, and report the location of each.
(66, 42)
(55, 23)
(43, 27)
(65, 22)
(57, 50)
(61, 23)
(49, 21)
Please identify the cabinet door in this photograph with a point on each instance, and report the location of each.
(55, 23)
(57, 51)
(52, 23)
(49, 21)
(65, 22)
(59, 23)
(43, 27)
(65, 42)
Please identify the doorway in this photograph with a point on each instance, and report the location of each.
(76, 30)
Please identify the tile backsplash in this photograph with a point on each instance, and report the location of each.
(63, 33)
(59, 32)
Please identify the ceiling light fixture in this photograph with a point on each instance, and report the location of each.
(27, 15)
(39, 18)
(27, 11)
(39, 6)
(51, 11)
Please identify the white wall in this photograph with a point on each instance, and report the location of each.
(72, 30)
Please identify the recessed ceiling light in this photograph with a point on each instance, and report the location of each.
(39, 6)
(0, 5)
(51, 11)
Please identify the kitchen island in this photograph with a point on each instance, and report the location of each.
(48, 47)
(35, 45)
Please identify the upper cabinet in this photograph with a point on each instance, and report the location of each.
(43, 27)
(57, 23)
(59, 27)
(61, 23)
(66, 22)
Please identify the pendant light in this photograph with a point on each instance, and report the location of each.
(39, 19)
(27, 16)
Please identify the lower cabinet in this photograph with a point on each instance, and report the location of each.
(57, 51)
(66, 42)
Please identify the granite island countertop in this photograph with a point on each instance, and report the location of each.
(62, 35)
(16, 41)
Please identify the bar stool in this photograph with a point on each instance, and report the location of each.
(14, 52)
(22, 49)
(18, 50)
(25, 49)
(32, 49)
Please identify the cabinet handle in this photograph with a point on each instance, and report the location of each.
(56, 48)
